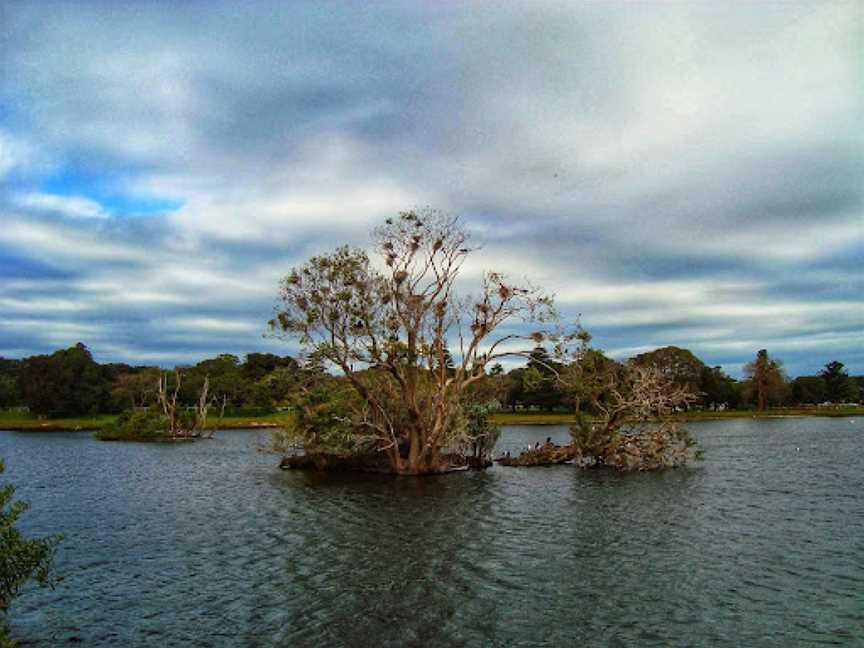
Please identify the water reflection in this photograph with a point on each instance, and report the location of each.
(386, 559)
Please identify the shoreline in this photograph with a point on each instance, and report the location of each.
(563, 418)
(85, 424)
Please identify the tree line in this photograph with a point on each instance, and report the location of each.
(765, 383)
(69, 382)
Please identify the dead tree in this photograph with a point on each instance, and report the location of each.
(172, 408)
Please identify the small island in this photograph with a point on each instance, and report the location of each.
(402, 403)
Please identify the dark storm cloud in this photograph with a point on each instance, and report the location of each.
(678, 174)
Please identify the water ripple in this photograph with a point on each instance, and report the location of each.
(208, 544)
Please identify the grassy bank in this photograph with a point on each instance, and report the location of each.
(827, 412)
(17, 421)
(563, 418)
(533, 418)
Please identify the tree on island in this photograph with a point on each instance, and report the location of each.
(639, 420)
(766, 379)
(635, 419)
(637, 409)
(169, 419)
(387, 333)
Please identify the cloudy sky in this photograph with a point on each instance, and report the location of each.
(685, 174)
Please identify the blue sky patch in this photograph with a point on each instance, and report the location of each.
(74, 182)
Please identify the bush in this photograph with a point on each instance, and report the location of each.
(135, 426)
(20, 559)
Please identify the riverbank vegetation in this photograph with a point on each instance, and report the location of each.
(259, 389)
(22, 559)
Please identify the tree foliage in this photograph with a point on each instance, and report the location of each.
(837, 384)
(136, 425)
(65, 383)
(766, 380)
(808, 390)
(677, 365)
(21, 559)
(481, 433)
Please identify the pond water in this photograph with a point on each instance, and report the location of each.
(209, 544)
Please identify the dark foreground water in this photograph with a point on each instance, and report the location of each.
(208, 544)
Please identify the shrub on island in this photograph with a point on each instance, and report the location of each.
(136, 426)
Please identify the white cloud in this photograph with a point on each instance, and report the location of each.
(69, 206)
(655, 165)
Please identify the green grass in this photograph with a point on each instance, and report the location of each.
(774, 412)
(236, 422)
(26, 422)
(18, 421)
(533, 418)
(563, 418)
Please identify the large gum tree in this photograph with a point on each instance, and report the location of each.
(390, 330)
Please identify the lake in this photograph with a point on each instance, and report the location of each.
(209, 544)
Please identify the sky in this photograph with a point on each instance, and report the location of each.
(687, 174)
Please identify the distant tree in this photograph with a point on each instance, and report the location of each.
(65, 383)
(838, 386)
(257, 366)
(808, 390)
(540, 381)
(496, 369)
(857, 388)
(8, 391)
(490, 391)
(21, 559)
(135, 388)
(716, 388)
(515, 389)
(225, 379)
(766, 380)
(276, 388)
(10, 394)
(445, 358)
(678, 365)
